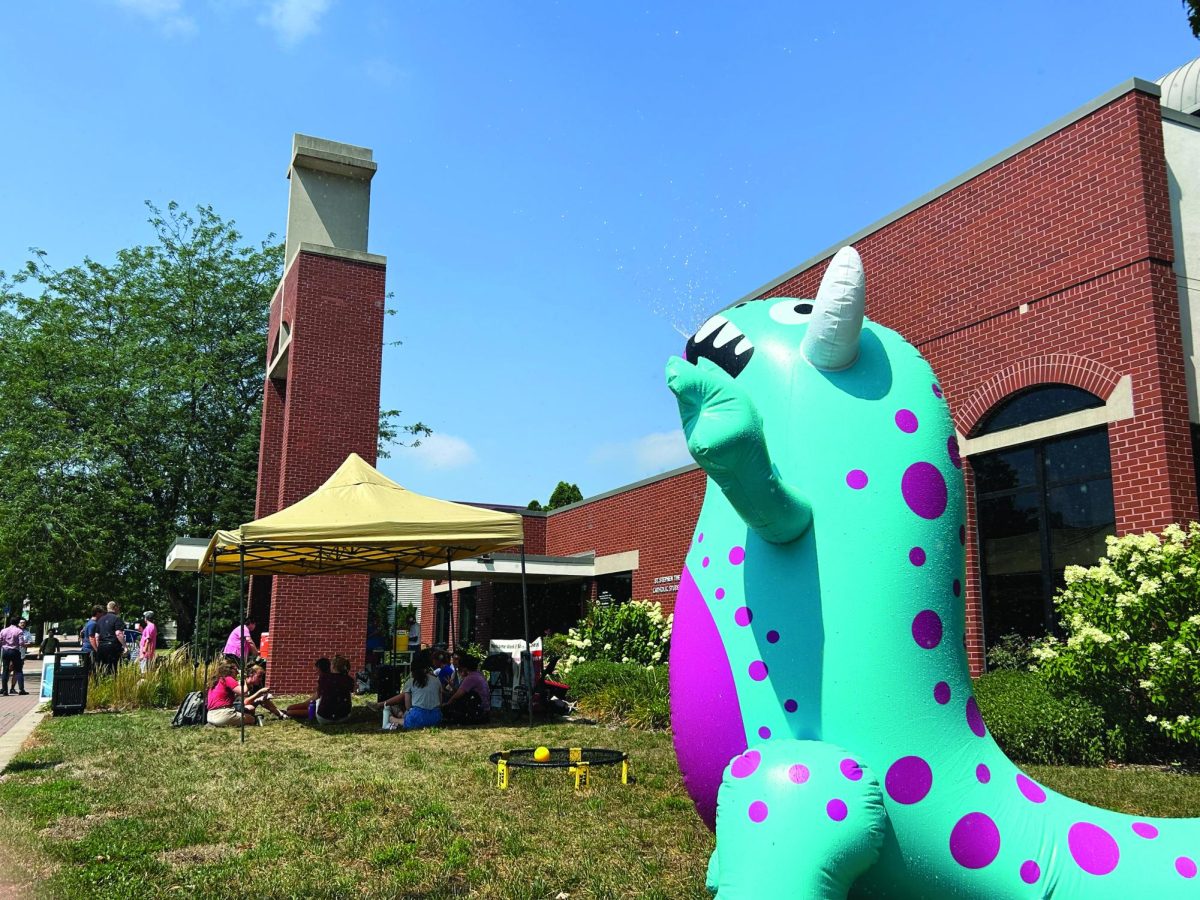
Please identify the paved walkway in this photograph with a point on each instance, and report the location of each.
(18, 714)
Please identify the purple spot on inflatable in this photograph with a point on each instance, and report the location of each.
(1030, 789)
(857, 479)
(974, 841)
(983, 773)
(851, 769)
(836, 809)
(924, 490)
(1145, 830)
(758, 670)
(704, 563)
(1186, 867)
(737, 555)
(906, 421)
(908, 780)
(745, 765)
(1030, 871)
(952, 450)
(937, 391)
(1093, 849)
(790, 705)
(916, 556)
(956, 587)
(772, 637)
(927, 629)
(765, 733)
(974, 718)
(720, 593)
(743, 616)
(962, 535)
(700, 538)
(941, 693)
(798, 773)
(757, 811)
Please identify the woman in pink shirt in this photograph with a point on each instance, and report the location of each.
(149, 644)
(239, 642)
(222, 696)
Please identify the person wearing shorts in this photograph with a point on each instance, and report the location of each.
(224, 710)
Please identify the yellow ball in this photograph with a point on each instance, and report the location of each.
(541, 754)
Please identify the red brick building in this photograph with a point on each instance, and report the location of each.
(321, 394)
(1052, 289)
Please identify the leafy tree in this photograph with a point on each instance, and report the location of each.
(535, 506)
(564, 495)
(130, 399)
(1193, 14)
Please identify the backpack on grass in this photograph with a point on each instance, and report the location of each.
(192, 711)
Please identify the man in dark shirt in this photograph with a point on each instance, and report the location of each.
(108, 640)
(85, 637)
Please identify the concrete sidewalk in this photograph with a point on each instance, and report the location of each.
(19, 714)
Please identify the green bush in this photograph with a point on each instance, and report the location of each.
(1013, 651)
(1132, 646)
(1032, 725)
(628, 693)
(633, 632)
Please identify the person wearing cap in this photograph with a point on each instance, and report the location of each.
(149, 643)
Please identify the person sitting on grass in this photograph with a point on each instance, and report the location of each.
(259, 694)
(300, 710)
(336, 692)
(224, 706)
(471, 703)
(420, 699)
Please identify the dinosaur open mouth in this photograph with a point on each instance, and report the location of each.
(720, 342)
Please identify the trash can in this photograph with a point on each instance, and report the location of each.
(69, 695)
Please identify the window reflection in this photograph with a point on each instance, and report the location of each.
(1039, 508)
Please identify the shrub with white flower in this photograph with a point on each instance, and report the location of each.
(1132, 633)
(634, 632)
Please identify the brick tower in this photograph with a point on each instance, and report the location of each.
(321, 397)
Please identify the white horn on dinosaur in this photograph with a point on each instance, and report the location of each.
(831, 342)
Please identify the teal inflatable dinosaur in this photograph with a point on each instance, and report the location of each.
(821, 704)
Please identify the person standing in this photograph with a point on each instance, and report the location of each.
(51, 644)
(149, 643)
(108, 640)
(85, 637)
(12, 641)
(239, 644)
(414, 633)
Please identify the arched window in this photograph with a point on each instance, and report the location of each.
(1040, 506)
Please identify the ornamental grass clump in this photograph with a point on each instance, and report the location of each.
(1132, 639)
(636, 632)
(174, 675)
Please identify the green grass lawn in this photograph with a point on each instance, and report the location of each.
(123, 805)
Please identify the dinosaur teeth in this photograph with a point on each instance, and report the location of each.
(709, 327)
(721, 342)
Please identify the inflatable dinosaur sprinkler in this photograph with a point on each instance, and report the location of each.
(821, 704)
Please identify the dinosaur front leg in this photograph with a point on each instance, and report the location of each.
(725, 436)
(795, 820)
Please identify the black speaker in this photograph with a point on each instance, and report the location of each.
(387, 682)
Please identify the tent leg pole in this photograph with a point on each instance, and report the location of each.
(528, 644)
(450, 607)
(395, 610)
(196, 632)
(212, 588)
(242, 600)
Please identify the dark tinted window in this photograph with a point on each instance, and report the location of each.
(1040, 507)
(1047, 401)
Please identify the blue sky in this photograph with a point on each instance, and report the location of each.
(564, 189)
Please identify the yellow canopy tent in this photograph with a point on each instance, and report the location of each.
(362, 521)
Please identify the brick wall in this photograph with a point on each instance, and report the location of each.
(1077, 228)
(328, 409)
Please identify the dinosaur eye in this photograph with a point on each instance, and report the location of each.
(791, 312)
